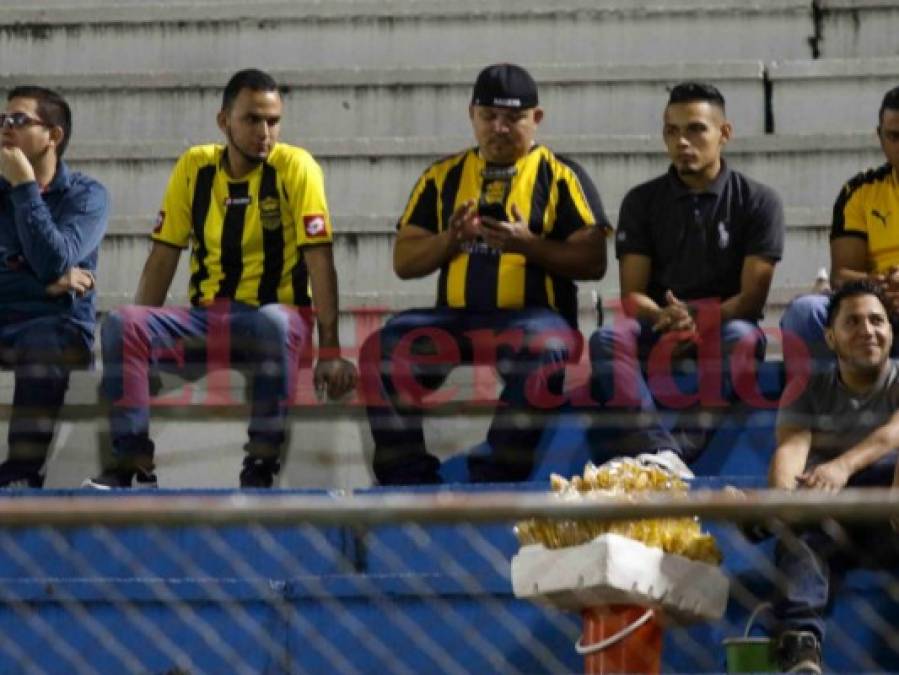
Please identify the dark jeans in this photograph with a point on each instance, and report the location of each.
(42, 351)
(271, 342)
(627, 383)
(412, 355)
(816, 559)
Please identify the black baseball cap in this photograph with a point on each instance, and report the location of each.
(505, 85)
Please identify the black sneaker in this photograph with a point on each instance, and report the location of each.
(693, 442)
(19, 474)
(798, 651)
(259, 472)
(113, 479)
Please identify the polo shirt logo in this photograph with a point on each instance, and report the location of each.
(723, 235)
(882, 217)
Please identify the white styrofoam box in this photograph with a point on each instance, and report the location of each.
(613, 569)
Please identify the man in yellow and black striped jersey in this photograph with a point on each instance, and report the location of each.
(254, 214)
(509, 226)
(864, 237)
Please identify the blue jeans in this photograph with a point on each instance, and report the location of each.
(806, 316)
(623, 387)
(817, 558)
(412, 355)
(268, 341)
(42, 350)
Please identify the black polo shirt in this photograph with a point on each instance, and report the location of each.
(697, 240)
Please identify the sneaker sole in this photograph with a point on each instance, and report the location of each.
(89, 483)
(138, 485)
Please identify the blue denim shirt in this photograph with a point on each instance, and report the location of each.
(42, 235)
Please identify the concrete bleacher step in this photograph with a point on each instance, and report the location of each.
(363, 257)
(363, 101)
(199, 428)
(179, 36)
(857, 28)
(830, 95)
(374, 175)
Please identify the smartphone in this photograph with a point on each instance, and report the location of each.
(493, 210)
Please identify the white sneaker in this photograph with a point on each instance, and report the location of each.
(668, 460)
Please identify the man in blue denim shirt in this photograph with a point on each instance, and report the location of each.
(51, 224)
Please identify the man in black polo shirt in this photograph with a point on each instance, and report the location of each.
(697, 248)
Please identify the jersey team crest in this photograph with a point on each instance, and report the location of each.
(270, 213)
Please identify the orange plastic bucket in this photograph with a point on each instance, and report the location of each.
(621, 639)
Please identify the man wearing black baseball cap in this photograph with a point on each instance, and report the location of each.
(505, 85)
(510, 226)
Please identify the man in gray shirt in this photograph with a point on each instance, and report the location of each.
(839, 428)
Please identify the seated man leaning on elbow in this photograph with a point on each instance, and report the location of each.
(840, 428)
(51, 223)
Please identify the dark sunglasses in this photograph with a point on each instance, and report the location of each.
(19, 120)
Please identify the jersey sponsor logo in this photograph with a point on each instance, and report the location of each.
(479, 248)
(160, 221)
(881, 216)
(315, 225)
(270, 213)
(238, 201)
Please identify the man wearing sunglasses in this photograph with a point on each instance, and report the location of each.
(51, 224)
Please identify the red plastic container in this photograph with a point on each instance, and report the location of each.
(621, 639)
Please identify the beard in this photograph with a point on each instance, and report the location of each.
(246, 156)
(861, 366)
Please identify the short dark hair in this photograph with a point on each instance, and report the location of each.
(52, 109)
(250, 78)
(853, 289)
(890, 102)
(686, 92)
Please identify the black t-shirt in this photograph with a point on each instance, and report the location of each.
(697, 240)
